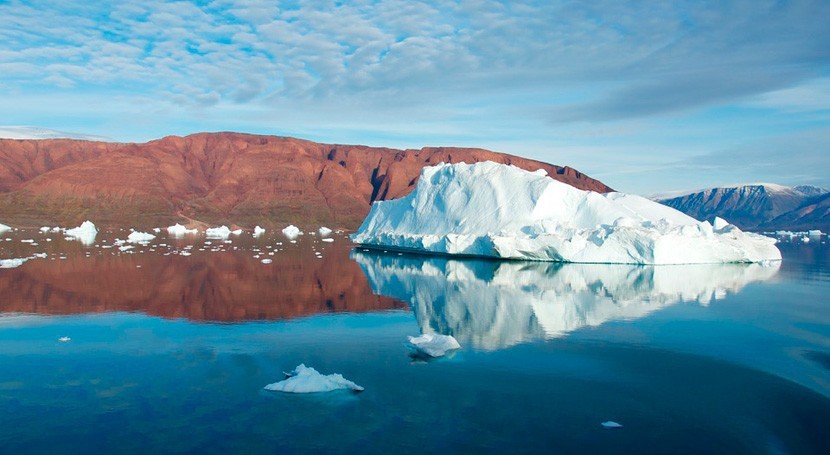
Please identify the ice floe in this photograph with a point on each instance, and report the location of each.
(495, 210)
(433, 344)
(177, 230)
(140, 237)
(291, 231)
(85, 233)
(308, 380)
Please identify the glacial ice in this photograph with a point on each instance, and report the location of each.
(610, 424)
(12, 263)
(291, 231)
(85, 233)
(221, 232)
(308, 380)
(434, 344)
(177, 230)
(140, 237)
(495, 210)
(324, 231)
(495, 304)
(258, 231)
(4, 228)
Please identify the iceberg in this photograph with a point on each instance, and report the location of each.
(308, 380)
(177, 230)
(494, 210)
(4, 228)
(324, 231)
(140, 237)
(12, 263)
(85, 233)
(291, 231)
(610, 424)
(433, 344)
(258, 231)
(221, 232)
(491, 305)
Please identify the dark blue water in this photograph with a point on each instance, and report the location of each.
(170, 353)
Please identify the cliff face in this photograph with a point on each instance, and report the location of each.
(216, 178)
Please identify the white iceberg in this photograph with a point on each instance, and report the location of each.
(610, 424)
(85, 233)
(434, 344)
(4, 228)
(140, 237)
(64, 339)
(12, 263)
(45, 229)
(291, 231)
(177, 230)
(814, 232)
(324, 231)
(221, 232)
(258, 231)
(308, 380)
(495, 210)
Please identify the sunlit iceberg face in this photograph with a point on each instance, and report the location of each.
(494, 304)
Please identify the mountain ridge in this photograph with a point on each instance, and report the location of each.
(219, 178)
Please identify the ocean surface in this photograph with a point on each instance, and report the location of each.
(171, 343)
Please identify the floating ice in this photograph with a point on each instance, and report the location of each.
(45, 229)
(177, 230)
(156, 230)
(237, 232)
(85, 233)
(328, 239)
(324, 231)
(64, 339)
(4, 228)
(12, 263)
(221, 232)
(266, 261)
(258, 231)
(307, 380)
(434, 344)
(494, 210)
(139, 237)
(291, 231)
(611, 424)
(814, 232)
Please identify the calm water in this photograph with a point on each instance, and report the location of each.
(169, 352)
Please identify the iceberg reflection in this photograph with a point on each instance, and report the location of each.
(496, 304)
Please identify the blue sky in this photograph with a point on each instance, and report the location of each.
(647, 96)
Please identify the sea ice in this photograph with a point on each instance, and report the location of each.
(85, 233)
(177, 230)
(291, 231)
(495, 210)
(434, 344)
(307, 380)
(324, 231)
(139, 237)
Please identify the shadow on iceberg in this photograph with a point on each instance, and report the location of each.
(492, 304)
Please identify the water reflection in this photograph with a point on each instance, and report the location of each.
(496, 304)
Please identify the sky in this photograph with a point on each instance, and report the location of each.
(648, 97)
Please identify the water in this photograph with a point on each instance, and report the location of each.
(170, 353)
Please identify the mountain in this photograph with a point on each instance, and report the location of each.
(746, 206)
(813, 214)
(219, 178)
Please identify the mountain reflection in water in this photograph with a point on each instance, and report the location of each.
(495, 304)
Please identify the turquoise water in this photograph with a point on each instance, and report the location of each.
(171, 353)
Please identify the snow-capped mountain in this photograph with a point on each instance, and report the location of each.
(746, 206)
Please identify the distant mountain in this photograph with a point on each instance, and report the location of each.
(746, 206)
(813, 214)
(219, 178)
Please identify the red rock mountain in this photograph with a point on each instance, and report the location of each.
(215, 178)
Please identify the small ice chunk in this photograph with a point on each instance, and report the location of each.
(139, 237)
(814, 232)
(85, 233)
(434, 344)
(12, 263)
(291, 231)
(221, 232)
(258, 231)
(237, 232)
(45, 229)
(610, 424)
(4, 228)
(177, 230)
(308, 380)
(156, 230)
(328, 239)
(125, 247)
(64, 339)
(266, 261)
(324, 231)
